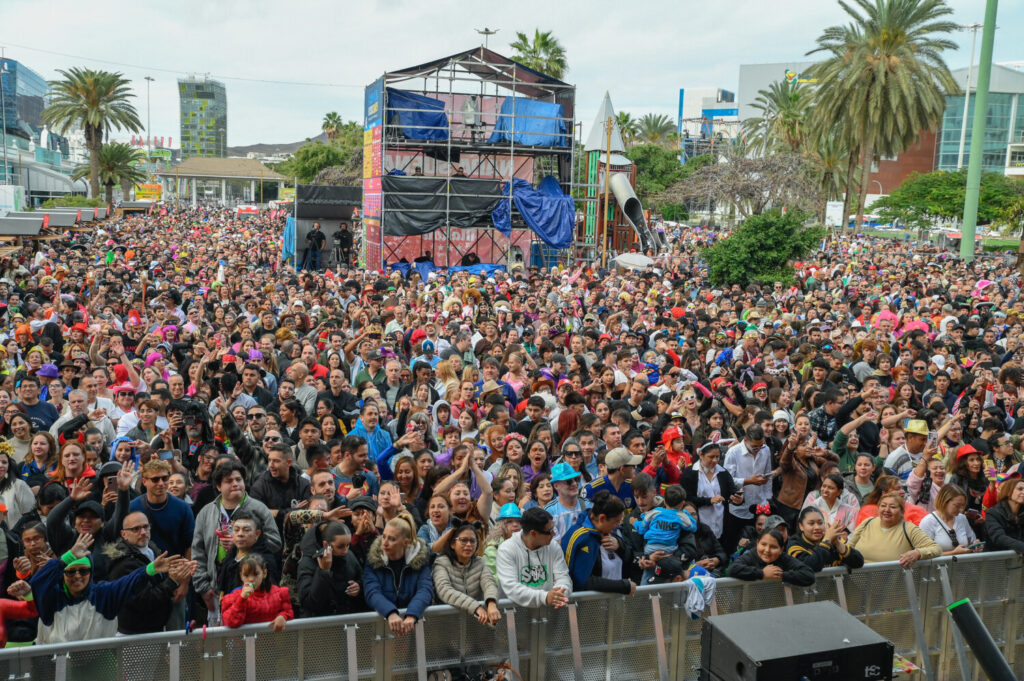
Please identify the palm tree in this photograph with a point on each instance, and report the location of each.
(628, 127)
(885, 75)
(655, 129)
(96, 100)
(332, 125)
(544, 53)
(116, 162)
(784, 121)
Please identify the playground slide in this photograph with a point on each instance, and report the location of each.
(634, 212)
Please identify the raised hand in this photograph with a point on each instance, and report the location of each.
(81, 547)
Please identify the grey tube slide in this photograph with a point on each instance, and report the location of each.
(634, 212)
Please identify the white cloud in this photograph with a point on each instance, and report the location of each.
(642, 52)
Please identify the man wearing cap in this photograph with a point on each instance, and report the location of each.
(903, 459)
(567, 507)
(74, 606)
(373, 370)
(620, 464)
(428, 356)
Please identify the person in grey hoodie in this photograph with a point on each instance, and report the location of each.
(213, 523)
(531, 571)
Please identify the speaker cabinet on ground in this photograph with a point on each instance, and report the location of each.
(810, 642)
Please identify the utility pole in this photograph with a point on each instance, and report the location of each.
(3, 108)
(967, 92)
(486, 33)
(149, 148)
(988, 37)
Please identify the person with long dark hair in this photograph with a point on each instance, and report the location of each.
(768, 560)
(462, 579)
(822, 544)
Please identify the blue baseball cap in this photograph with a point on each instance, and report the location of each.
(510, 510)
(562, 472)
(428, 346)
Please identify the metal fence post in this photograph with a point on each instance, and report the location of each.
(421, 652)
(574, 640)
(250, 657)
(915, 611)
(352, 656)
(1014, 588)
(958, 641)
(174, 661)
(513, 640)
(841, 592)
(659, 637)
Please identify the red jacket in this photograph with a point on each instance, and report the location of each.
(14, 610)
(261, 606)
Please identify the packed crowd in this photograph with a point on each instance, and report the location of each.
(195, 433)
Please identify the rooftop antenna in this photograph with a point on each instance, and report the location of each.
(486, 33)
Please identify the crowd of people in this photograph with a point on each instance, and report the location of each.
(195, 433)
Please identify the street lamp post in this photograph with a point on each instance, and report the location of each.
(973, 192)
(967, 92)
(149, 148)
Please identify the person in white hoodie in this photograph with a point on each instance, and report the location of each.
(531, 570)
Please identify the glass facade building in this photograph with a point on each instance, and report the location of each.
(204, 117)
(26, 94)
(1004, 122)
(1004, 125)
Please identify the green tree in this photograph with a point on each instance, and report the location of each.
(628, 127)
(117, 164)
(762, 249)
(311, 158)
(784, 120)
(885, 75)
(543, 53)
(96, 100)
(926, 198)
(655, 129)
(332, 125)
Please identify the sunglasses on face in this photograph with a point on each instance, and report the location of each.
(159, 478)
(271, 438)
(253, 417)
(78, 571)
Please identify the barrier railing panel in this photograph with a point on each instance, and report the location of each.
(598, 637)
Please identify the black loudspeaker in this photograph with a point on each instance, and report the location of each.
(810, 642)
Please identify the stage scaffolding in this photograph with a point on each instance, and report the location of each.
(473, 87)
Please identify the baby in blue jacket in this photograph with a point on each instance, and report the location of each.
(661, 527)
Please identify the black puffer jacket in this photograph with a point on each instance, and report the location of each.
(148, 611)
(322, 592)
(1005, 530)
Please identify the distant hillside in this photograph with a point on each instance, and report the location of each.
(286, 148)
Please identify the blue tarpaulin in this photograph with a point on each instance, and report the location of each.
(536, 124)
(288, 239)
(547, 210)
(422, 118)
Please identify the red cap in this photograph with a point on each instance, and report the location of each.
(605, 336)
(677, 312)
(227, 359)
(81, 326)
(759, 386)
(965, 450)
(715, 382)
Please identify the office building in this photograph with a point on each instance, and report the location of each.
(1003, 150)
(204, 117)
(25, 95)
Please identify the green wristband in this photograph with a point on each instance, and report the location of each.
(151, 570)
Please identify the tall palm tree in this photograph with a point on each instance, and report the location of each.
(332, 125)
(655, 129)
(628, 128)
(783, 125)
(117, 162)
(96, 100)
(885, 74)
(544, 53)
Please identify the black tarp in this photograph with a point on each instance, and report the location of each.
(327, 201)
(416, 205)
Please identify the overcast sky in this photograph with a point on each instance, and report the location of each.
(641, 51)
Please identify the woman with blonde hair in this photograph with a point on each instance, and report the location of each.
(397, 575)
(447, 382)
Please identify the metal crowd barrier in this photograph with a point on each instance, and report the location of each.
(598, 636)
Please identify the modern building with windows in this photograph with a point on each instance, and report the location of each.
(204, 117)
(1003, 147)
(31, 156)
